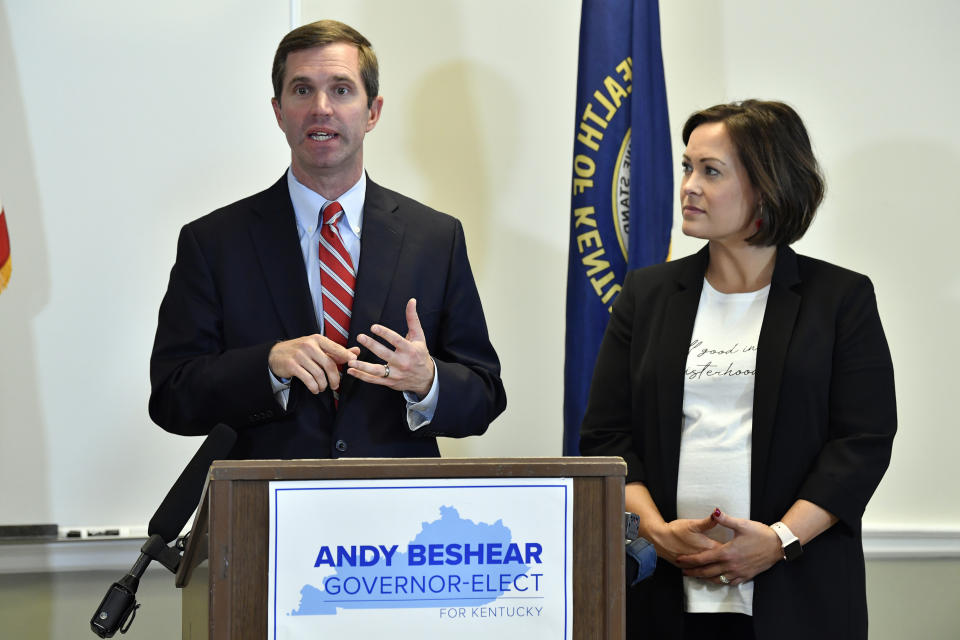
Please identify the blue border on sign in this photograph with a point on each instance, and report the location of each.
(566, 516)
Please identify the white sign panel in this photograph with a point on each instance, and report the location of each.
(466, 558)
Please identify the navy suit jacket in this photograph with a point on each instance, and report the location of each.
(824, 417)
(239, 285)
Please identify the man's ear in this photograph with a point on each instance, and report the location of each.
(374, 114)
(276, 110)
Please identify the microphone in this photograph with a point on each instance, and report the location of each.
(641, 561)
(119, 606)
(641, 555)
(184, 496)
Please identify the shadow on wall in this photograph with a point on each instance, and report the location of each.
(895, 218)
(459, 134)
(458, 112)
(451, 123)
(24, 465)
(463, 139)
(23, 446)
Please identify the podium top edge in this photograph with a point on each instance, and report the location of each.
(354, 468)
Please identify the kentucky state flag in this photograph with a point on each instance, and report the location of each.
(5, 266)
(622, 179)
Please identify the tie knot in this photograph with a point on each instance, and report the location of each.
(332, 212)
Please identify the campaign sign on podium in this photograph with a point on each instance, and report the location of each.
(465, 558)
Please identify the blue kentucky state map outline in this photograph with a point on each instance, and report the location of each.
(450, 527)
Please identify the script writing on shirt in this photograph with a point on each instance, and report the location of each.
(721, 361)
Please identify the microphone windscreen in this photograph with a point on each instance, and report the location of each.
(641, 561)
(184, 496)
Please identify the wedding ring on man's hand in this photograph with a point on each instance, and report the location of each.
(386, 371)
(724, 579)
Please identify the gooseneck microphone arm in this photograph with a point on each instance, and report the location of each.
(119, 606)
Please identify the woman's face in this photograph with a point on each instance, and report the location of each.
(719, 203)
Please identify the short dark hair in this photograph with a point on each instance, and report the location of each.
(774, 147)
(319, 34)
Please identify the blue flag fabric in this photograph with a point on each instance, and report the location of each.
(622, 201)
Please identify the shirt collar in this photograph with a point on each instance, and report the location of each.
(307, 203)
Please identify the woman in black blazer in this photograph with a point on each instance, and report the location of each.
(750, 391)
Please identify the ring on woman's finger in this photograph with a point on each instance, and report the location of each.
(386, 371)
(724, 579)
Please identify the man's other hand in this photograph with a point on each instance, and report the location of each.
(407, 367)
(314, 360)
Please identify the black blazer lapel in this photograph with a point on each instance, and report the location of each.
(672, 350)
(273, 231)
(776, 331)
(381, 237)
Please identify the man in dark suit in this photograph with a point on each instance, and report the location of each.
(251, 331)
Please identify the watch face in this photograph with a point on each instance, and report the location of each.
(792, 551)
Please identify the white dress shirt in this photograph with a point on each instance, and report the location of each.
(307, 205)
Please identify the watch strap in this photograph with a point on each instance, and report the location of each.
(790, 543)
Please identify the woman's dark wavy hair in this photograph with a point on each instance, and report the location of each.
(775, 150)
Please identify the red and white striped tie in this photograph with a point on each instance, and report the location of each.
(337, 277)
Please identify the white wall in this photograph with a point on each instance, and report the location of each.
(876, 85)
(122, 121)
(478, 121)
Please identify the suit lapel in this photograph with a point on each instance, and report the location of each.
(273, 232)
(783, 305)
(672, 350)
(381, 238)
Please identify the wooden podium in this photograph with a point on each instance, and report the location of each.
(227, 598)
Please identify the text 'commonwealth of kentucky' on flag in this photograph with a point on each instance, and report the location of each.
(5, 260)
(621, 206)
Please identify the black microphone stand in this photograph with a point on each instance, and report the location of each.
(119, 606)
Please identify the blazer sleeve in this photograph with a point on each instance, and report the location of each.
(195, 381)
(468, 369)
(607, 427)
(862, 412)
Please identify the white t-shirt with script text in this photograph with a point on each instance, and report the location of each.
(717, 428)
